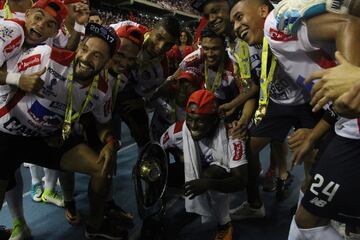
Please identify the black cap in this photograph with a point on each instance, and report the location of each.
(106, 33)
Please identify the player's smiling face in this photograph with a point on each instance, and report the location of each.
(91, 57)
(200, 125)
(248, 18)
(217, 15)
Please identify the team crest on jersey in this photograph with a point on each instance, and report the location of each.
(12, 45)
(44, 116)
(5, 33)
(29, 62)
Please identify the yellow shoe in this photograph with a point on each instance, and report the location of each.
(224, 232)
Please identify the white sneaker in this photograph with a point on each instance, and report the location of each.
(244, 211)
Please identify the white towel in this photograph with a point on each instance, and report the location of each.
(210, 204)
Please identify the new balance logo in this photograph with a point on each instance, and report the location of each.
(318, 202)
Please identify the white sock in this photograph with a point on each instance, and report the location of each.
(35, 174)
(321, 233)
(301, 195)
(14, 198)
(294, 232)
(51, 177)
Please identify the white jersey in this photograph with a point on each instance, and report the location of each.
(37, 116)
(300, 58)
(60, 40)
(195, 62)
(11, 39)
(173, 138)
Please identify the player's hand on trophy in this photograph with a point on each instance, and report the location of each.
(196, 187)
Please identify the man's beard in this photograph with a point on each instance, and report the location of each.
(83, 78)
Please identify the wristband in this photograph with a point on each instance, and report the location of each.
(79, 28)
(13, 78)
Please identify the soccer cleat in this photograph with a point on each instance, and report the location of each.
(50, 196)
(107, 230)
(269, 184)
(224, 232)
(282, 187)
(36, 192)
(20, 231)
(247, 212)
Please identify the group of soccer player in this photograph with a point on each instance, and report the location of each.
(279, 73)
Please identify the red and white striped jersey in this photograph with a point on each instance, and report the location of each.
(33, 115)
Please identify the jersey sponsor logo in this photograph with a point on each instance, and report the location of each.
(44, 117)
(14, 125)
(280, 36)
(6, 33)
(56, 74)
(29, 62)
(12, 45)
(165, 138)
(58, 105)
(237, 151)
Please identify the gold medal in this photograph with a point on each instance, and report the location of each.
(66, 130)
(260, 113)
(266, 79)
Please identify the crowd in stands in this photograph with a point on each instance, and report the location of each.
(173, 5)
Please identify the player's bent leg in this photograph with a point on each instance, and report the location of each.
(83, 159)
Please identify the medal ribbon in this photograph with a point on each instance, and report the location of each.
(218, 77)
(265, 80)
(243, 60)
(69, 116)
(7, 12)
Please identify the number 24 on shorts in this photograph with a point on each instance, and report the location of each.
(329, 190)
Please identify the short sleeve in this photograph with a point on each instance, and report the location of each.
(11, 39)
